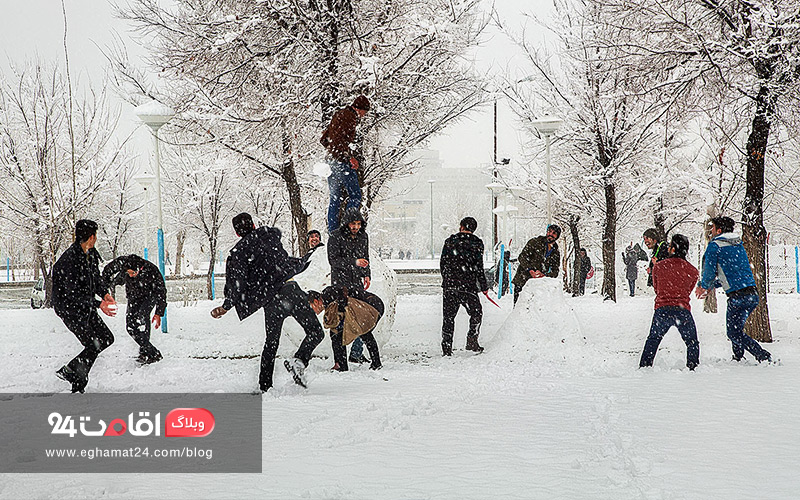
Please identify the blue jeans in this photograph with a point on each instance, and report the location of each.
(664, 318)
(357, 348)
(632, 286)
(342, 177)
(739, 308)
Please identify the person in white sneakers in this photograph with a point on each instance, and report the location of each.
(257, 275)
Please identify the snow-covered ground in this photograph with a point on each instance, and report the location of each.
(558, 413)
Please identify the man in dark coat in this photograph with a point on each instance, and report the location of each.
(538, 259)
(632, 255)
(339, 139)
(257, 274)
(145, 290)
(586, 266)
(461, 265)
(76, 285)
(348, 255)
(656, 243)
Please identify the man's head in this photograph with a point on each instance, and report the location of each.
(315, 301)
(86, 232)
(354, 226)
(468, 225)
(720, 225)
(314, 238)
(583, 252)
(361, 105)
(132, 264)
(553, 232)
(679, 246)
(650, 237)
(243, 224)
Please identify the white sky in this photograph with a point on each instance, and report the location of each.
(31, 27)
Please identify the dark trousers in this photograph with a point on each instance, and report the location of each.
(290, 300)
(582, 285)
(664, 318)
(137, 321)
(95, 337)
(632, 285)
(739, 308)
(340, 351)
(452, 300)
(516, 293)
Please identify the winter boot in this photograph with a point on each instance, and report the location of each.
(472, 344)
(358, 360)
(147, 359)
(78, 383)
(447, 345)
(297, 369)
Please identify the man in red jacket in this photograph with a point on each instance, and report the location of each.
(673, 280)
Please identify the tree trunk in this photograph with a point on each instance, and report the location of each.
(181, 237)
(609, 289)
(754, 235)
(659, 220)
(299, 215)
(576, 263)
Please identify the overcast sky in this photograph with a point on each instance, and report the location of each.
(31, 27)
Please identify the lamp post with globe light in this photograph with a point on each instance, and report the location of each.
(155, 115)
(548, 126)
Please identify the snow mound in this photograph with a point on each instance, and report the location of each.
(318, 275)
(542, 325)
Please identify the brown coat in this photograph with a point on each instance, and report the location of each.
(534, 258)
(359, 318)
(341, 134)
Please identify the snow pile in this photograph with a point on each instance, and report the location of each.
(318, 275)
(541, 327)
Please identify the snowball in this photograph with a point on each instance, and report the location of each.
(322, 169)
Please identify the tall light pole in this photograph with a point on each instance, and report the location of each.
(547, 126)
(146, 181)
(154, 115)
(431, 181)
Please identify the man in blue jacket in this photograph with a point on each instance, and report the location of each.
(725, 264)
(257, 275)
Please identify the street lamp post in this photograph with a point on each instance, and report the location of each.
(154, 115)
(431, 181)
(146, 181)
(547, 127)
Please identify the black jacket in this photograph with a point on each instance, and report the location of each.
(660, 252)
(586, 266)
(461, 263)
(534, 257)
(256, 268)
(77, 283)
(147, 286)
(344, 249)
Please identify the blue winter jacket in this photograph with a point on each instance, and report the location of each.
(725, 264)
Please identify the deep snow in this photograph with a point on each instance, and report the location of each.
(565, 413)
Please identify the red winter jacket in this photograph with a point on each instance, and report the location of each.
(673, 280)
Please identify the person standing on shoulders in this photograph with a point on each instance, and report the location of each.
(77, 283)
(463, 276)
(673, 280)
(145, 289)
(339, 139)
(725, 264)
(538, 259)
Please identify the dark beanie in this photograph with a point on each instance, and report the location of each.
(85, 229)
(361, 102)
(651, 233)
(243, 224)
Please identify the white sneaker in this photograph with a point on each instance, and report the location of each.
(297, 369)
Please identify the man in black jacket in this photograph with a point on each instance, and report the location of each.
(348, 255)
(256, 275)
(586, 266)
(656, 243)
(461, 265)
(76, 285)
(145, 289)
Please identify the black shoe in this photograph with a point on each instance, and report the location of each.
(472, 345)
(148, 360)
(358, 360)
(447, 350)
(78, 383)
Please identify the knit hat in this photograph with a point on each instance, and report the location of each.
(361, 102)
